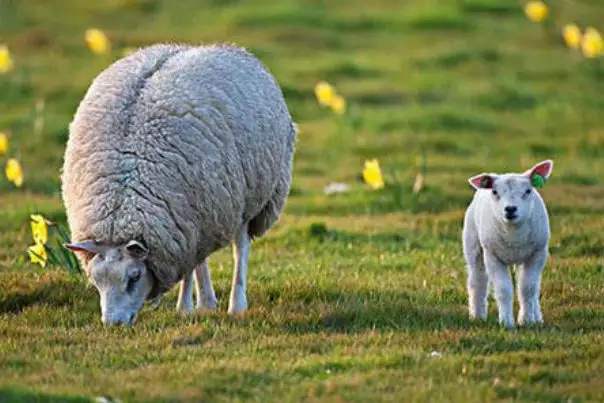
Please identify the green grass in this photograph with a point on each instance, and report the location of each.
(353, 297)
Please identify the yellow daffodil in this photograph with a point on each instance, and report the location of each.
(373, 175)
(338, 104)
(3, 143)
(39, 229)
(572, 35)
(97, 41)
(324, 93)
(37, 254)
(6, 61)
(592, 43)
(14, 172)
(536, 11)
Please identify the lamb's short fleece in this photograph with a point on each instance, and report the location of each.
(507, 224)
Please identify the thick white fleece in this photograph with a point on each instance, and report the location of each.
(177, 146)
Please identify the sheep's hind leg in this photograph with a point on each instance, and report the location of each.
(241, 251)
(503, 288)
(529, 284)
(206, 297)
(185, 296)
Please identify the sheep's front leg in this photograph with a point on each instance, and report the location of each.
(528, 278)
(206, 297)
(241, 251)
(185, 296)
(503, 287)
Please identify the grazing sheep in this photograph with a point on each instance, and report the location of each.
(174, 152)
(507, 224)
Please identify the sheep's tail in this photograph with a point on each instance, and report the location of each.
(269, 214)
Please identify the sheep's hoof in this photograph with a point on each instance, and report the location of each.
(156, 302)
(185, 309)
(209, 304)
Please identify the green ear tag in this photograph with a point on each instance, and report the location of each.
(537, 181)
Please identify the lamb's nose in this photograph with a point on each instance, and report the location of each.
(511, 209)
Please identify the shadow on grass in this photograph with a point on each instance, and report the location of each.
(354, 312)
(19, 395)
(56, 294)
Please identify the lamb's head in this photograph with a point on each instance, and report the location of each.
(513, 195)
(119, 272)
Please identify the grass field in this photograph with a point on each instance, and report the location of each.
(372, 306)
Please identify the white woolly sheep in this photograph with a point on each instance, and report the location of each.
(174, 152)
(507, 224)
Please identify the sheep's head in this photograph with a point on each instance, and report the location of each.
(120, 275)
(513, 195)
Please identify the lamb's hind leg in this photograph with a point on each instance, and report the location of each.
(477, 282)
(477, 286)
(529, 284)
(241, 251)
(185, 295)
(206, 297)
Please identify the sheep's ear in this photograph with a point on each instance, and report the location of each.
(84, 246)
(137, 250)
(543, 169)
(88, 248)
(482, 181)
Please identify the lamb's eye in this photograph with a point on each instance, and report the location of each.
(495, 192)
(132, 280)
(528, 192)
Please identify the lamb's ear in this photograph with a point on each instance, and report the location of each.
(137, 250)
(543, 169)
(89, 247)
(482, 181)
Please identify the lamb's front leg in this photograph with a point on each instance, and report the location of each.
(503, 288)
(206, 297)
(185, 296)
(241, 251)
(528, 278)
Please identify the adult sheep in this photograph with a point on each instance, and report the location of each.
(174, 152)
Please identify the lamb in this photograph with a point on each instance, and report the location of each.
(507, 224)
(174, 152)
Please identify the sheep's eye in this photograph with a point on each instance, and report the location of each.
(495, 192)
(528, 192)
(132, 280)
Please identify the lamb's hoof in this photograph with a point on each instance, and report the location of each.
(509, 325)
(529, 323)
(478, 317)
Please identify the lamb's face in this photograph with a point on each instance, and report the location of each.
(512, 198)
(120, 275)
